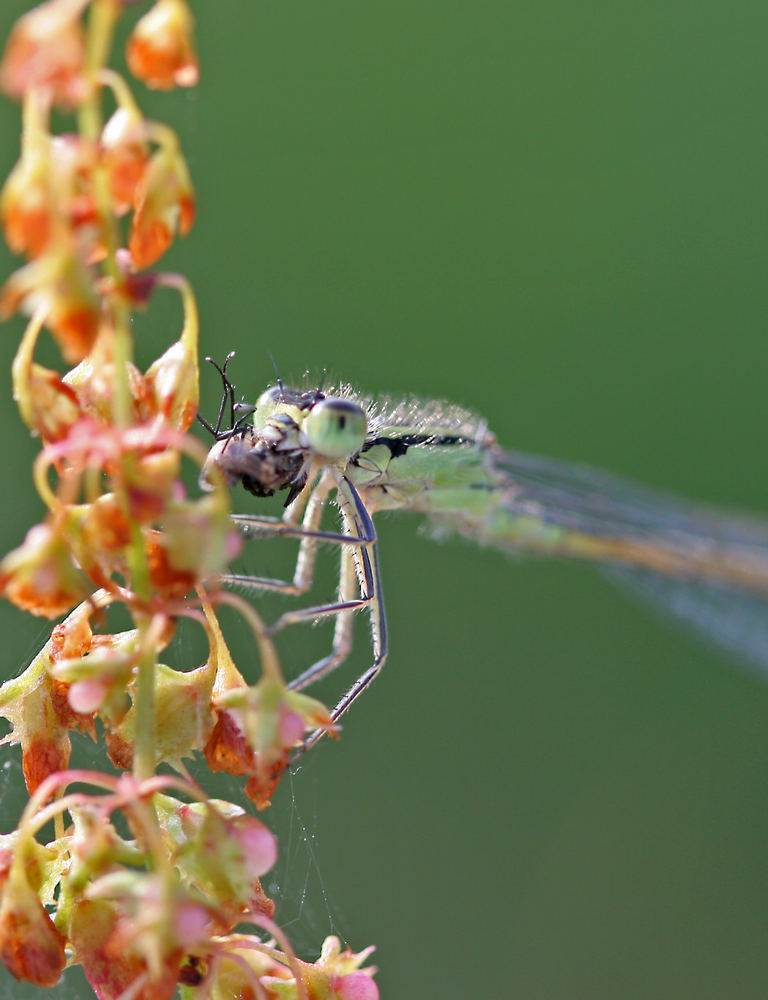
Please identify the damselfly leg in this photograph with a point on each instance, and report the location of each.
(359, 573)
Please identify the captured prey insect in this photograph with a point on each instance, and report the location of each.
(706, 567)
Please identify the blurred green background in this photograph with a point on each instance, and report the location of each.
(555, 214)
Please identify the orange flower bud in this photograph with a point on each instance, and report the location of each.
(52, 183)
(24, 203)
(168, 580)
(164, 202)
(105, 528)
(198, 537)
(74, 635)
(40, 576)
(160, 50)
(58, 282)
(47, 405)
(93, 381)
(46, 51)
(257, 728)
(73, 164)
(125, 156)
(173, 382)
(30, 945)
(152, 485)
(193, 547)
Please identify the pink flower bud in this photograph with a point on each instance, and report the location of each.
(292, 728)
(357, 986)
(191, 922)
(258, 843)
(86, 697)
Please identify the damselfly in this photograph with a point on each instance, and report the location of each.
(704, 566)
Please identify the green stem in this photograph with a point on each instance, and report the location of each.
(101, 26)
(145, 734)
(144, 743)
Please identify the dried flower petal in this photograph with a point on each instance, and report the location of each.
(41, 717)
(74, 635)
(169, 580)
(30, 945)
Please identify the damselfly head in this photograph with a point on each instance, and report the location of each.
(272, 444)
(332, 427)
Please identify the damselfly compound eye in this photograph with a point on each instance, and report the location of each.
(335, 427)
(265, 406)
